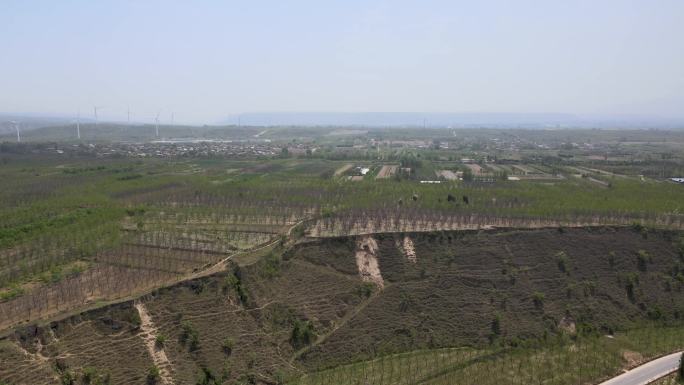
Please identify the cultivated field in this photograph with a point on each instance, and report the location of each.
(387, 171)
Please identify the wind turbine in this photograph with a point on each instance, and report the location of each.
(172, 119)
(78, 125)
(156, 124)
(128, 115)
(95, 110)
(16, 126)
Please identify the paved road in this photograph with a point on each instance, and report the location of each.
(648, 372)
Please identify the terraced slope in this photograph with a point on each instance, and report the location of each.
(532, 282)
(314, 307)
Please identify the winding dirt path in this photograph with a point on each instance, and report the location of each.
(149, 336)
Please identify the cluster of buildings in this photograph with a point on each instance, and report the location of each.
(168, 149)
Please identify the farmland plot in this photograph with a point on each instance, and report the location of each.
(387, 171)
(447, 174)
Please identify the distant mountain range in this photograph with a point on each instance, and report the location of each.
(29, 122)
(456, 120)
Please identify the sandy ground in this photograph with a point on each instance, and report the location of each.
(409, 250)
(149, 336)
(447, 174)
(367, 262)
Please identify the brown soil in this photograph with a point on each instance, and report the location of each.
(386, 171)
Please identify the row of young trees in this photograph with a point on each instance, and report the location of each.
(52, 250)
(114, 272)
(265, 216)
(101, 282)
(207, 240)
(161, 243)
(352, 222)
(291, 198)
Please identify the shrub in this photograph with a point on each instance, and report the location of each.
(207, 377)
(302, 334)
(589, 288)
(233, 281)
(611, 259)
(153, 375)
(89, 374)
(405, 302)
(226, 372)
(365, 290)
(159, 341)
(562, 260)
(279, 377)
(538, 299)
(13, 292)
(68, 378)
(638, 226)
(632, 280)
(270, 266)
(655, 313)
(189, 335)
(197, 286)
(227, 346)
(643, 257)
(496, 325)
(134, 319)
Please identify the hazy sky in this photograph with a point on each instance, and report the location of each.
(205, 60)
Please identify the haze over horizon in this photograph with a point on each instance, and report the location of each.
(208, 61)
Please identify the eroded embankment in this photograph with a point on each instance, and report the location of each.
(410, 250)
(367, 261)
